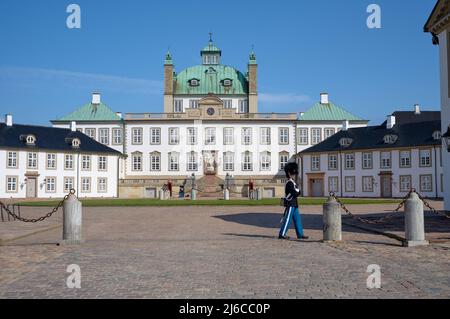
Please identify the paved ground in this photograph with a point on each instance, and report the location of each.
(219, 252)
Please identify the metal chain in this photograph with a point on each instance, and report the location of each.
(374, 221)
(432, 209)
(35, 220)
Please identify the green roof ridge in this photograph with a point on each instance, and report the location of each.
(91, 112)
(328, 112)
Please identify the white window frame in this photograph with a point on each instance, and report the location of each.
(385, 160)
(283, 160)
(367, 160)
(11, 184)
(137, 136)
(303, 136)
(68, 159)
(405, 182)
(90, 132)
(333, 186)
(316, 135)
(32, 160)
(328, 132)
(192, 161)
(283, 136)
(50, 184)
(191, 135)
(86, 162)
(247, 135)
(405, 161)
(265, 160)
(102, 162)
(174, 136)
(265, 138)
(210, 136)
(425, 157)
(228, 161)
(155, 136)
(174, 161)
(243, 106)
(423, 182)
(136, 162)
(12, 160)
(102, 137)
(86, 185)
(349, 161)
(315, 163)
(228, 136)
(178, 105)
(247, 161)
(99, 183)
(367, 181)
(347, 188)
(52, 159)
(117, 136)
(333, 162)
(155, 161)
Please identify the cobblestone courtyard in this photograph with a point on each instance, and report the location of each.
(218, 252)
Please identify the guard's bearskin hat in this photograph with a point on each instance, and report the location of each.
(291, 169)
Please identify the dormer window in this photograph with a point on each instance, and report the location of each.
(390, 139)
(227, 82)
(76, 143)
(437, 135)
(30, 140)
(345, 141)
(194, 82)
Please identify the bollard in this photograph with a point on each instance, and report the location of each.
(72, 218)
(332, 221)
(162, 195)
(414, 222)
(259, 194)
(226, 194)
(194, 194)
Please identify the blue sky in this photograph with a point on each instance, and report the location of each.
(303, 48)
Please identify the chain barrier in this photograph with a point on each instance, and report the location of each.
(40, 219)
(390, 216)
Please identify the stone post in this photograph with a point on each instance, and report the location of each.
(332, 221)
(259, 194)
(72, 218)
(162, 194)
(414, 222)
(193, 194)
(226, 194)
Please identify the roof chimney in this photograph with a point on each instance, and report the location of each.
(417, 109)
(73, 126)
(96, 98)
(345, 125)
(119, 114)
(324, 98)
(8, 120)
(390, 123)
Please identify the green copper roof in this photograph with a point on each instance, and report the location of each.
(168, 60)
(90, 112)
(211, 48)
(211, 80)
(328, 112)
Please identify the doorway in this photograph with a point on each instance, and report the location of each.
(316, 186)
(386, 186)
(31, 187)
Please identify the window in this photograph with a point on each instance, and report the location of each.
(405, 183)
(174, 135)
(193, 104)
(194, 82)
(68, 184)
(385, 158)
(31, 140)
(345, 141)
(350, 184)
(227, 82)
(85, 184)
(90, 132)
(228, 161)
(32, 162)
(246, 136)
(103, 136)
(284, 159)
(178, 106)
(76, 143)
(265, 161)
(85, 162)
(11, 184)
(426, 183)
(136, 161)
(247, 161)
(333, 184)
(102, 185)
(192, 164)
(12, 160)
(265, 135)
(50, 185)
(117, 136)
(102, 163)
(210, 135)
(303, 136)
(80, 130)
(349, 161)
(228, 136)
(315, 163)
(136, 136)
(155, 161)
(191, 135)
(405, 159)
(283, 136)
(332, 162)
(155, 136)
(367, 160)
(316, 136)
(327, 132)
(390, 139)
(367, 182)
(51, 161)
(227, 104)
(174, 161)
(425, 158)
(243, 106)
(68, 161)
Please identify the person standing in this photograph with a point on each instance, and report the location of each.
(291, 212)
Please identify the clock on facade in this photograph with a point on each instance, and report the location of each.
(211, 111)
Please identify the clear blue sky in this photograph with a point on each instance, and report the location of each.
(303, 47)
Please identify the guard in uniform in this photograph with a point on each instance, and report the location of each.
(291, 204)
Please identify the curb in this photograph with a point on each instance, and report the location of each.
(4, 241)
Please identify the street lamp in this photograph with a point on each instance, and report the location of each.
(446, 139)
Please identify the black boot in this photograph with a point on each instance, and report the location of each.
(304, 237)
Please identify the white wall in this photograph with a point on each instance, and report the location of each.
(415, 171)
(445, 110)
(60, 173)
(235, 99)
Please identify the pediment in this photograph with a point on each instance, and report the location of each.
(439, 18)
(211, 100)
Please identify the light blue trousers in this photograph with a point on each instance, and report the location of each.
(292, 213)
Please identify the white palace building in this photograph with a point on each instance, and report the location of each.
(210, 130)
(211, 135)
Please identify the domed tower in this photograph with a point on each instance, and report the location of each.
(186, 89)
